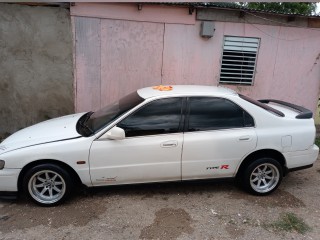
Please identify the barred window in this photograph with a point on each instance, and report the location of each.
(239, 60)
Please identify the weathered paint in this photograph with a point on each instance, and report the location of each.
(188, 58)
(131, 57)
(136, 54)
(287, 66)
(88, 65)
(35, 65)
(122, 11)
(228, 15)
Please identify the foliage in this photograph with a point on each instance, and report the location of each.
(305, 8)
(289, 221)
(317, 142)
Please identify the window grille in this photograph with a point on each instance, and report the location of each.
(239, 60)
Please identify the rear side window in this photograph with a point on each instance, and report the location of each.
(158, 117)
(208, 113)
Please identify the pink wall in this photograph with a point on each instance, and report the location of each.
(114, 57)
(131, 57)
(287, 66)
(148, 13)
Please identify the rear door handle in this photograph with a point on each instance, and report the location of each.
(169, 144)
(244, 138)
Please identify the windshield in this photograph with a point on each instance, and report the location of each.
(94, 121)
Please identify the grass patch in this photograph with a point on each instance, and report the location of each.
(290, 222)
(317, 141)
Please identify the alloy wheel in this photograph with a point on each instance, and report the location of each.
(47, 186)
(264, 178)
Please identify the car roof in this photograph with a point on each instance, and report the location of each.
(184, 90)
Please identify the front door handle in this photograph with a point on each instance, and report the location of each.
(169, 144)
(244, 138)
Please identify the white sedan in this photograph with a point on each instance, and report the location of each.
(158, 134)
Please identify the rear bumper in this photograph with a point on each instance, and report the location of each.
(300, 168)
(9, 180)
(301, 159)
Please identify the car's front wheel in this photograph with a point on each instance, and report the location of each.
(263, 176)
(47, 184)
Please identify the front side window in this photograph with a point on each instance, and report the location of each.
(209, 113)
(92, 122)
(158, 117)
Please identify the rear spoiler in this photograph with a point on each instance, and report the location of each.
(304, 113)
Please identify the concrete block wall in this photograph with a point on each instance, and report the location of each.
(36, 68)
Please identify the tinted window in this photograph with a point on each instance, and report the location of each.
(158, 117)
(208, 113)
(248, 120)
(106, 115)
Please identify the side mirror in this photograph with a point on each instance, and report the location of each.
(114, 133)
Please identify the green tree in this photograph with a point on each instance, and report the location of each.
(306, 8)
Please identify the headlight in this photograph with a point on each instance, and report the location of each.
(2, 164)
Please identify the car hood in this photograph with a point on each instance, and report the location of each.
(48, 131)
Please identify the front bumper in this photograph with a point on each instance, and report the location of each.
(9, 180)
(299, 159)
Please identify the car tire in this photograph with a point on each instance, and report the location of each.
(47, 184)
(262, 176)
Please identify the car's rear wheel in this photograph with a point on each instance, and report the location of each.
(47, 184)
(263, 176)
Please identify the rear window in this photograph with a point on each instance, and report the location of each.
(262, 105)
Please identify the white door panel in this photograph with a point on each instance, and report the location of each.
(216, 153)
(136, 160)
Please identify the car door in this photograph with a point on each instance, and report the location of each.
(218, 134)
(150, 152)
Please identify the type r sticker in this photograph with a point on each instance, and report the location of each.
(218, 167)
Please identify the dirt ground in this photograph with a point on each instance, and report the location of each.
(170, 211)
